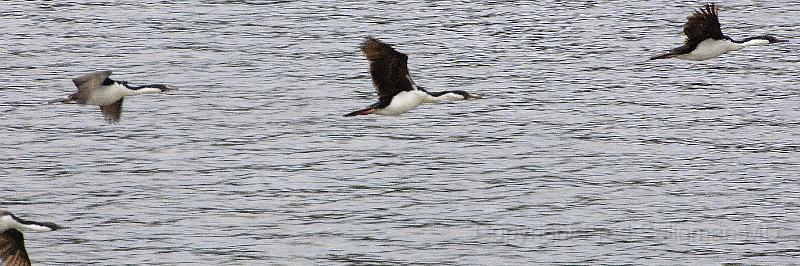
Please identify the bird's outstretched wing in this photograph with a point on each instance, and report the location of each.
(12, 249)
(388, 67)
(112, 112)
(703, 24)
(88, 83)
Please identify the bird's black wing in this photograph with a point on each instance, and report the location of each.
(388, 67)
(703, 24)
(88, 83)
(112, 112)
(12, 249)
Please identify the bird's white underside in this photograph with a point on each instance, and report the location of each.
(711, 48)
(407, 100)
(403, 102)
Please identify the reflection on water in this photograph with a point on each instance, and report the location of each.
(582, 151)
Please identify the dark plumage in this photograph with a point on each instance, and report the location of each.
(703, 24)
(112, 112)
(12, 248)
(388, 67)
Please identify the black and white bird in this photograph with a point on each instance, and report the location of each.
(397, 93)
(97, 88)
(704, 39)
(12, 244)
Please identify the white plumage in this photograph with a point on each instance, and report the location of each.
(711, 48)
(403, 102)
(105, 95)
(407, 100)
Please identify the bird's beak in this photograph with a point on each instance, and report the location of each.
(170, 88)
(473, 96)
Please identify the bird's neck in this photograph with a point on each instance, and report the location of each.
(751, 42)
(136, 90)
(719, 46)
(443, 96)
(7, 222)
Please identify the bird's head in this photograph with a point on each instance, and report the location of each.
(771, 39)
(52, 226)
(164, 87)
(463, 95)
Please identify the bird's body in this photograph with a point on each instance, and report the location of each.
(109, 94)
(97, 88)
(397, 92)
(106, 95)
(709, 48)
(402, 102)
(704, 38)
(12, 242)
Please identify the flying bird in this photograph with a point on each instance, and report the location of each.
(12, 243)
(397, 93)
(704, 39)
(97, 88)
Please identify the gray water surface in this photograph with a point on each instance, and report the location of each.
(581, 152)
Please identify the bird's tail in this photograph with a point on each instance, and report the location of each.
(663, 56)
(60, 100)
(364, 111)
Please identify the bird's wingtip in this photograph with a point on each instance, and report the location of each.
(663, 56)
(59, 100)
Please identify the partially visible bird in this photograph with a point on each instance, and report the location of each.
(704, 38)
(397, 93)
(97, 88)
(12, 243)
